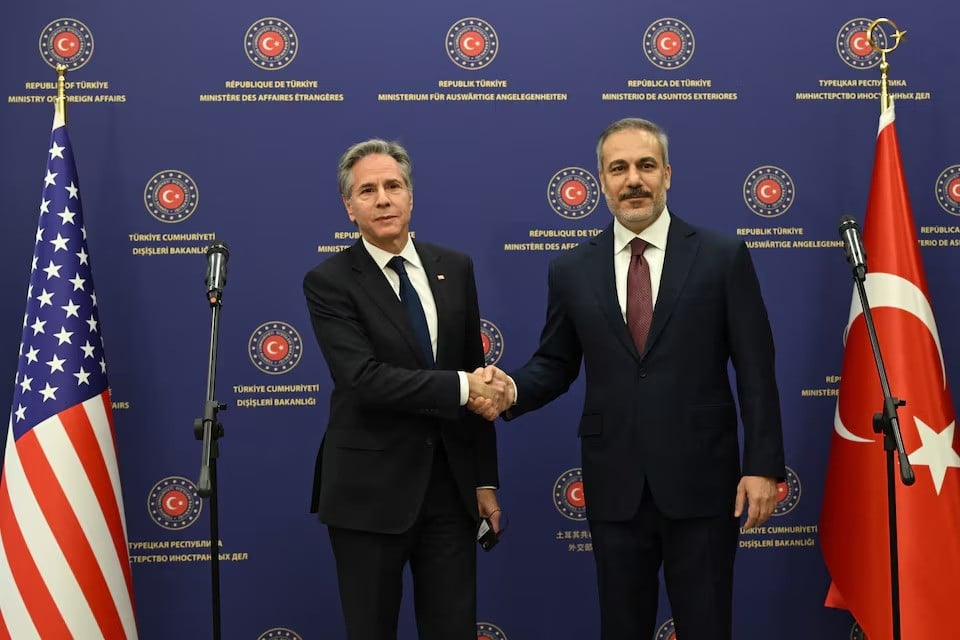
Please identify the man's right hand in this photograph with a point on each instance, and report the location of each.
(486, 404)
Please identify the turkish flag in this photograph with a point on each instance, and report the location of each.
(854, 521)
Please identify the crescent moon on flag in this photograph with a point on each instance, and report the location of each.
(843, 432)
(889, 290)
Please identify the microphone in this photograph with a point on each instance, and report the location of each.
(216, 277)
(853, 246)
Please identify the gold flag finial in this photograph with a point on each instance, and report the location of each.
(60, 104)
(895, 38)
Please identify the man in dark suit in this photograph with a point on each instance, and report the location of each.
(404, 471)
(656, 321)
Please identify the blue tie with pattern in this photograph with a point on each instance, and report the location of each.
(411, 302)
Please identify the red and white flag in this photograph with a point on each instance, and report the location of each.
(64, 567)
(854, 525)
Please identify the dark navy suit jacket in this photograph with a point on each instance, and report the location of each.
(667, 416)
(388, 409)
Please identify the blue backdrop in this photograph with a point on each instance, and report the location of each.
(194, 121)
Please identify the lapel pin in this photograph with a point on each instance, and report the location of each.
(440, 276)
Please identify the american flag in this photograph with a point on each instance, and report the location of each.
(64, 566)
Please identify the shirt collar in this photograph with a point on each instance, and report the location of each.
(382, 257)
(655, 235)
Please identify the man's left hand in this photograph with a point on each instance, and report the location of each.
(489, 507)
(760, 493)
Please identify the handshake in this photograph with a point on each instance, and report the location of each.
(491, 392)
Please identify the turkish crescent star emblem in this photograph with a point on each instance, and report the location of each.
(269, 44)
(889, 290)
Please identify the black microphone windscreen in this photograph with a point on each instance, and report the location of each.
(218, 247)
(848, 222)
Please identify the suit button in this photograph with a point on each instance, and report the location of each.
(429, 442)
(643, 373)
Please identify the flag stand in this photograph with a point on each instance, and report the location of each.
(209, 430)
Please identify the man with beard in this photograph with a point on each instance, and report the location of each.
(656, 308)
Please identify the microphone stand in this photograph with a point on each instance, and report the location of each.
(887, 423)
(209, 430)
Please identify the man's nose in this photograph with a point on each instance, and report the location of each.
(382, 199)
(634, 177)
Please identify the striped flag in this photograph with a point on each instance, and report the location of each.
(64, 568)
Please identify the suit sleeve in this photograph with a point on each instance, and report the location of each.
(752, 354)
(556, 363)
(486, 435)
(349, 352)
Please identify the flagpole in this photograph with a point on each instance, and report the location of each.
(60, 102)
(887, 422)
(897, 35)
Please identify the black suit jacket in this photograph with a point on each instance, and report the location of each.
(388, 411)
(667, 416)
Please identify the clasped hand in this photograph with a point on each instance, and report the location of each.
(491, 392)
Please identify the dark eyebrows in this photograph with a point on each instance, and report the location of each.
(386, 182)
(613, 164)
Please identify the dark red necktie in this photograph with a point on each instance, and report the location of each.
(639, 295)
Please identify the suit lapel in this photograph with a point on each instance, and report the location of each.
(600, 267)
(682, 246)
(375, 284)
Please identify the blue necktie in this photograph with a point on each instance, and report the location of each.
(411, 303)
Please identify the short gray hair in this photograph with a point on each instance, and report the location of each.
(633, 123)
(360, 150)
